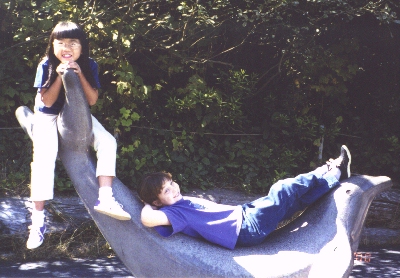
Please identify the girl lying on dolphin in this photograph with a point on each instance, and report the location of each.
(244, 225)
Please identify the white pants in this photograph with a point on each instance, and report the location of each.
(45, 148)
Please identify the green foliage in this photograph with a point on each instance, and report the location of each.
(61, 179)
(227, 93)
(15, 156)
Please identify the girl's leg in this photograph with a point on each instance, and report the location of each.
(45, 148)
(262, 216)
(105, 146)
(329, 180)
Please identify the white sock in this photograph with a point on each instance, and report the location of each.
(105, 193)
(37, 218)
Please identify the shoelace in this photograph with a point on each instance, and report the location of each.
(37, 230)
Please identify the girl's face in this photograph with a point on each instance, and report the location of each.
(67, 50)
(169, 195)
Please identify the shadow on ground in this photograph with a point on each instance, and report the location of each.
(104, 267)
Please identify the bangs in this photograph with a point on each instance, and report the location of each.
(68, 30)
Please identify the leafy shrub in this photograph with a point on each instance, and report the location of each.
(223, 93)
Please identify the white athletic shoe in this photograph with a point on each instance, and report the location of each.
(36, 237)
(342, 162)
(112, 208)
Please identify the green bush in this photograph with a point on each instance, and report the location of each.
(225, 93)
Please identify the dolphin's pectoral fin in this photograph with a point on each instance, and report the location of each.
(24, 116)
(319, 243)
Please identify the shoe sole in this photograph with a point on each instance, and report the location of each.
(33, 247)
(349, 157)
(116, 216)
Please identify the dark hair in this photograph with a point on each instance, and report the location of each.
(151, 186)
(69, 30)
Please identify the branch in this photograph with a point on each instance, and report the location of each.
(236, 46)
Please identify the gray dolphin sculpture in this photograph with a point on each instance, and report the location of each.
(319, 243)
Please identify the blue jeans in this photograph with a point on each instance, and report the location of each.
(285, 198)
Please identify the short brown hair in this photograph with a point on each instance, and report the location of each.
(151, 186)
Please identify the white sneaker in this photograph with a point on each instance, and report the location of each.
(112, 208)
(36, 236)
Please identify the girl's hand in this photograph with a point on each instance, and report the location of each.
(61, 68)
(75, 66)
(68, 65)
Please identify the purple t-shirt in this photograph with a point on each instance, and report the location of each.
(42, 74)
(217, 223)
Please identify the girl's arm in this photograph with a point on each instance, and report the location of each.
(50, 95)
(152, 217)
